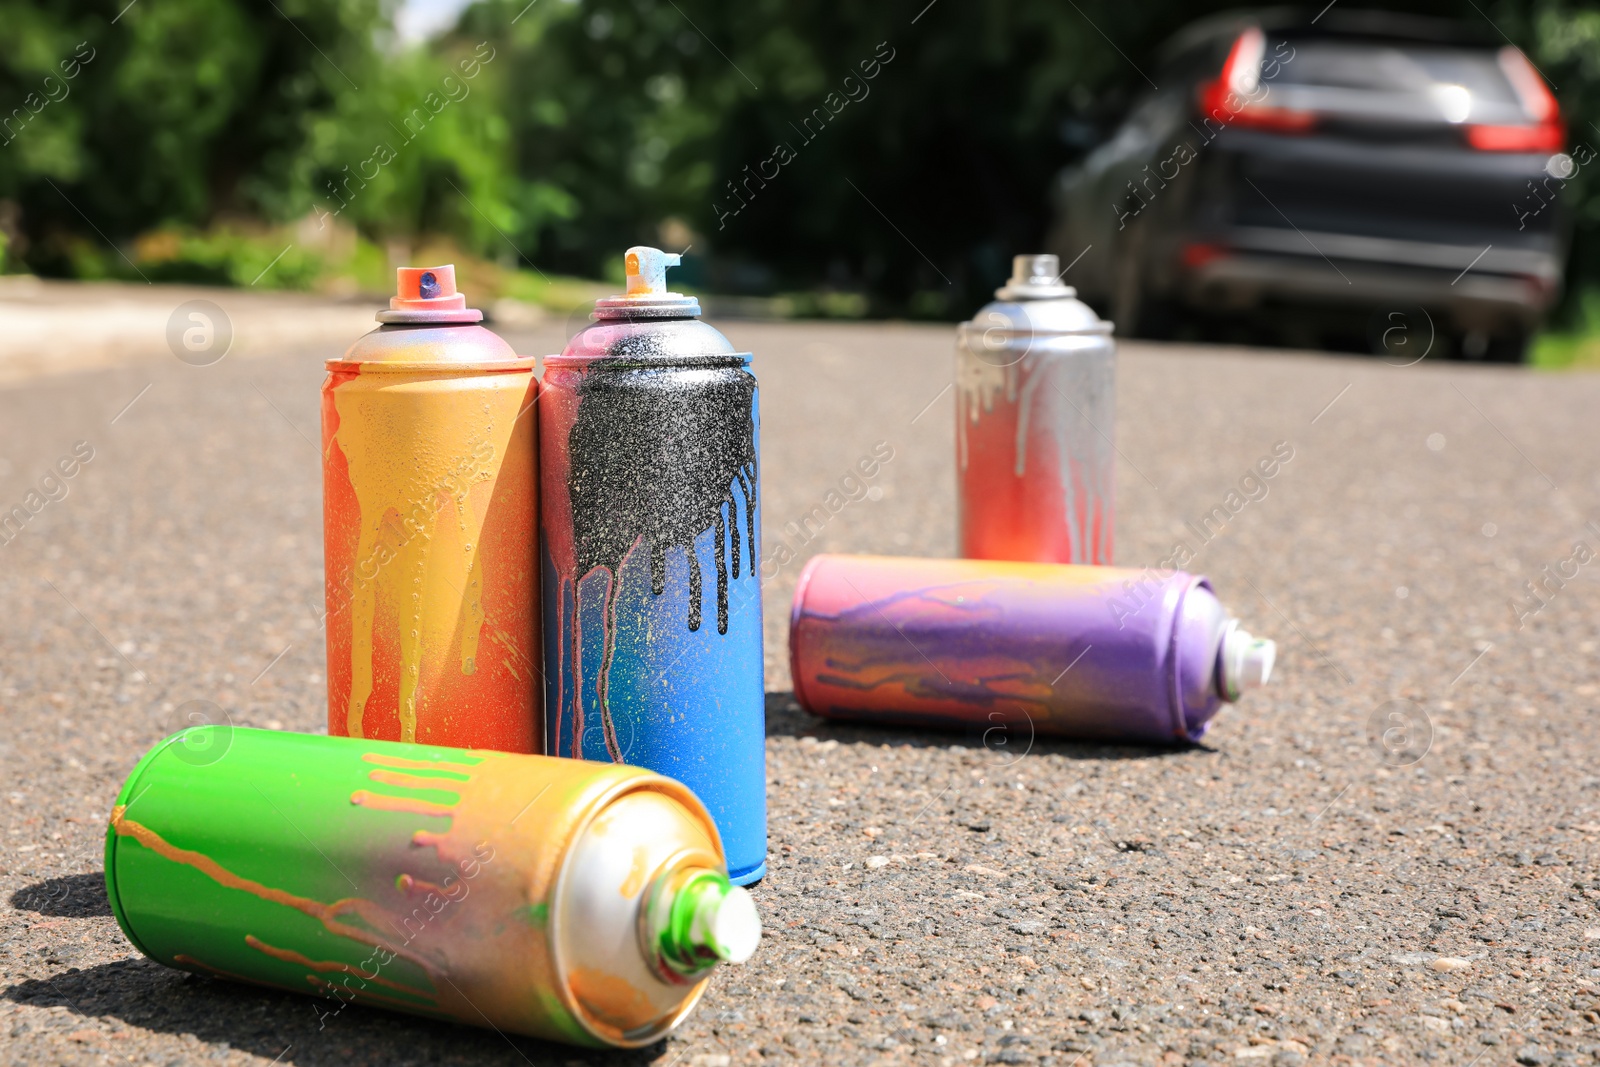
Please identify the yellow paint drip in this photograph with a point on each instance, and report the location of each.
(638, 872)
(416, 448)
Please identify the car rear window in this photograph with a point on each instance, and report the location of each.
(1403, 80)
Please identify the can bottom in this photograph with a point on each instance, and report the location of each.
(750, 876)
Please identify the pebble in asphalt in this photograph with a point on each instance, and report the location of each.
(1387, 856)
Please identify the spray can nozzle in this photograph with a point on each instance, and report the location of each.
(1036, 276)
(699, 920)
(648, 296)
(428, 295)
(646, 269)
(1244, 663)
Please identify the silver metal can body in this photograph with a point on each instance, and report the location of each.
(1035, 424)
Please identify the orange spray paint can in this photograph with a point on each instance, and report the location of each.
(430, 523)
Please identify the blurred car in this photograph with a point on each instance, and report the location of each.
(1359, 167)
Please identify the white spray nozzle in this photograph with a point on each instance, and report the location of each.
(1246, 662)
(646, 269)
(734, 926)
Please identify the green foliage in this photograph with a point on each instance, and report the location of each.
(180, 113)
(226, 256)
(860, 158)
(1577, 342)
(199, 113)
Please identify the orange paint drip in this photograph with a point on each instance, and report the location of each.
(367, 996)
(428, 839)
(401, 763)
(379, 802)
(328, 914)
(417, 781)
(613, 1000)
(289, 955)
(413, 886)
(638, 872)
(189, 962)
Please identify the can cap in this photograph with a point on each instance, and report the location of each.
(647, 296)
(1035, 276)
(707, 921)
(428, 295)
(733, 926)
(1246, 662)
(646, 269)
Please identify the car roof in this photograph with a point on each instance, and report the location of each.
(1335, 24)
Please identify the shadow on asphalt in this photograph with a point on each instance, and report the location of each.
(77, 896)
(289, 1029)
(785, 718)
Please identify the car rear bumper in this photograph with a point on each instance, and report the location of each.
(1485, 287)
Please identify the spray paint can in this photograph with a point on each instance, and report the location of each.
(567, 900)
(1018, 648)
(651, 528)
(430, 486)
(1035, 411)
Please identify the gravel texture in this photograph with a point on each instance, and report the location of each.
(1386, 856)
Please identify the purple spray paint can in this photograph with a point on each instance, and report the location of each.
(1091, 652)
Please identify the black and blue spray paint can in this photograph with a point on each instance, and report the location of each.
(650, 532)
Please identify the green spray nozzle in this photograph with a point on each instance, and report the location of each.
(704, 920)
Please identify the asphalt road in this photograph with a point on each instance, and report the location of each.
(1285, 893)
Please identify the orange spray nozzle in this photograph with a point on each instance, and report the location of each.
(427, 289)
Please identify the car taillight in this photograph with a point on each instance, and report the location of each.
(1197, 254)
(1547, 133)
(1237, 96)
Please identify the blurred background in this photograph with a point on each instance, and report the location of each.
(834, 160)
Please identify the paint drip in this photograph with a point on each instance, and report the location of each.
(656, 461)
(1035, 410)
(1024, 647)
(429, 521)
(518, 892)
(650, 524)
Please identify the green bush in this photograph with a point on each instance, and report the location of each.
(882, 159)
(225, 257)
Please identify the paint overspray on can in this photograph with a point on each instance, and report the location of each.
(1035, 417)
(1018, 649)
(651, 531)
(430, 503)
(568, 900)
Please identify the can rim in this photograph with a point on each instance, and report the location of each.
(643, 781)
(381, 366)
(971, 326)
(110, 863)
(1180, 725)
(800, 585)
(708, 360)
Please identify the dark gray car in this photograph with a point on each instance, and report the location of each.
(1394, 174)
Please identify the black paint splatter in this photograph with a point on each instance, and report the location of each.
(655, 454)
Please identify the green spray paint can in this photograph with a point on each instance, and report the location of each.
(564, 899)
